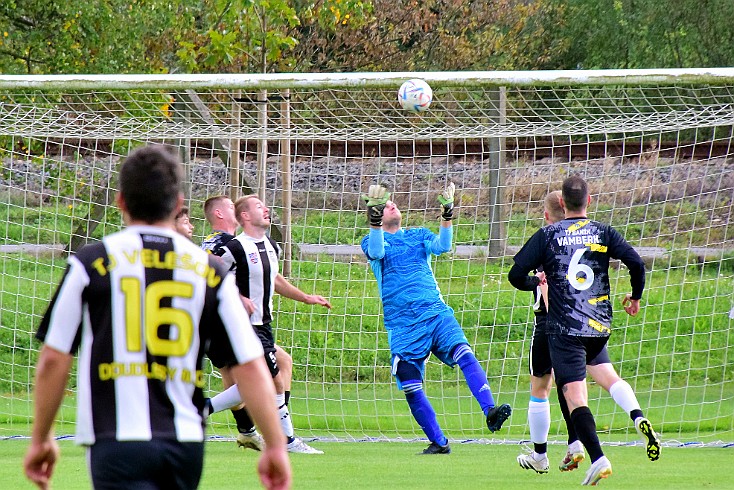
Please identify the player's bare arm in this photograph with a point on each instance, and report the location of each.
(285, 288)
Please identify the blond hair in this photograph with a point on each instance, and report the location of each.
(553, 207)
(243, 204)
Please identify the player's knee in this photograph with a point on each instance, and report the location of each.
(285, 361)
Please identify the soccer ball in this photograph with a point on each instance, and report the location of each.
(415, 95)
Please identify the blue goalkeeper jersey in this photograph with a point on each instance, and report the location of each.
(407, 286)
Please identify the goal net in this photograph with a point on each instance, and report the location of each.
(655, 147)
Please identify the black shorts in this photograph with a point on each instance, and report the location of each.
(265, 334)
(601, 358)
(570, 355)
(539, 361)
(145, 465)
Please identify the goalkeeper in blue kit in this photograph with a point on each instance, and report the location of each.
(418, 321)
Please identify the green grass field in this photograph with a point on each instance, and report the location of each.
(396, 465)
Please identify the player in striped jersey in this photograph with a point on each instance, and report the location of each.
(220, 214)
(418, 321)
(253, 257)
(574, 254)
(600, 369)
(142, 307)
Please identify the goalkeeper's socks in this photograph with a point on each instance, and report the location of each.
(475, 376)
(583, 422)
(243, 420)
(423, 412)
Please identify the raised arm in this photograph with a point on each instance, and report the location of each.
(443, 242)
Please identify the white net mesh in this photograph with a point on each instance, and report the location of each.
(657, 156)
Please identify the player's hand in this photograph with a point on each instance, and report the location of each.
(376, 198)
(274, 469)
(446, 198)
(543, 284)
(315, 299)
(248, 304)
(40, 461)
(631, 306)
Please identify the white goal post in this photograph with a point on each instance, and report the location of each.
(655, 146)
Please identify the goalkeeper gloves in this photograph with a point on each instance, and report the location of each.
(446, 198)
(376, 198)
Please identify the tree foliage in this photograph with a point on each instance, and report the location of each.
(148, 36)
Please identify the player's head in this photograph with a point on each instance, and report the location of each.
(552, 209)
(183, 224)
(219, 212)
(150, 185)
(251, 212)
(575, 194)
(391, 217)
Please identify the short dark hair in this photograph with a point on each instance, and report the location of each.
(150, 183)
(575, 193)
(183, 212)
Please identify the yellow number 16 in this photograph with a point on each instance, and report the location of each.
(155, 315)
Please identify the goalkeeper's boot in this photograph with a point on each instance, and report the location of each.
(534, 461)
(497, 416)
(298, 446)
(251, 440)
(600, 469)
(648, 434)
(436, 448)
(572, 460)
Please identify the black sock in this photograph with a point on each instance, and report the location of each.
(636, 413)
(243, 420)
(287, 396)
(540, 448)
(572, 437)
(585, 426)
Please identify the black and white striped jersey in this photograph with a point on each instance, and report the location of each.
(142, 307)
(255, 264)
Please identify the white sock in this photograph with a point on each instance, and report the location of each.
(539, 420)
(575, 447)
(285, 417)
(227, 399)
(622, 393)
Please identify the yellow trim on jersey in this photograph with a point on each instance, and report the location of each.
(594, 301)
(599, 327)
(578, 225)
(595, 247)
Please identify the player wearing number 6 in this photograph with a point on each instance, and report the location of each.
(418, 321)
(142, 307)
(574, 254)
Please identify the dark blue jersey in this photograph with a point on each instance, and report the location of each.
(214, 243)
(574, 254)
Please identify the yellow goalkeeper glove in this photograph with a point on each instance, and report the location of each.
(446, 198)
(376, 198)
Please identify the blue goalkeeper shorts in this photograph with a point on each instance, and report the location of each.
(438, 335)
